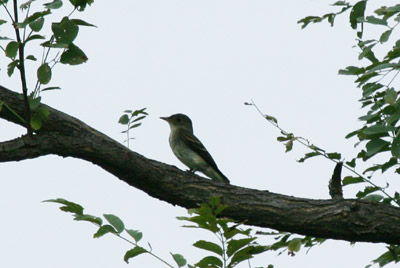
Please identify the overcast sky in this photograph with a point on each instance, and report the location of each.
(203, 59)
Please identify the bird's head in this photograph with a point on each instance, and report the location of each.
(179, 121)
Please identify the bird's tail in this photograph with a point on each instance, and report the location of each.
(216, 175)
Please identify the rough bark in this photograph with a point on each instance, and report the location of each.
(345, 219)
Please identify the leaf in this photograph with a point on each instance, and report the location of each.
(37, 25)
(307, 156)
(271, 119)
(31, 57)
(289, 146)
(390, 96)
(36, 122)
(209, 261)
(34, 37)
(373, 197)
(69, 206)
(43, 113)
(12, 49)
(376, 129)
(2, 22)
(115, 221)
(385, 36)
(209, 246)
(234, 245)
(375, 146)
(73, 56)
(54, 5)
(367, 190)
(351, 180)
(124, 120)
(82, 23)
(351, 163)
(179, 259)
(133, 253)
(294, 244)
(351, 70)
(356, 12)
(137, 235)
(395, 150)
(336, 156)
(11, 67)
(105, 229)
(65, 31)
(49, 88)
(44, 73)
(89, 218)
(374, 20)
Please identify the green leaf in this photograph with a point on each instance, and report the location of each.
(374, 20)
(351, 180)
(73, 56)
(376, 129)
(375, 146)
(36, 122)
(124, 120)
(307, 156)
(82, 23)
(351, 70)
(65, 31)
(373, 197)
(34, 102)
(208, 246)
(2, 22)
(80, 5)
(367, 190)
(396, 147)
(336, 156)
(390, 96)
(133, 253)
(385, 36)
(115, 221)
(34, 37)
(294, 244)
(12, 49)
(234, 245)
(37, 25)
(289, 146)
(271, 119)
(179, 259)
(4, 38)
(351, 163)
(31, 57)
(43, 113)
(209, 261)
(105, 229)
(54, 5)
(357, 12)
(68, 206)
(137, 235)
(11, 67)
(89, 218)
(49, 88)
(241, 255)
(44, 73)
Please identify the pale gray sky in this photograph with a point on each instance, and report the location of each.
(204, 59)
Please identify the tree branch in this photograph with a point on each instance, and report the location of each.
(352, 220)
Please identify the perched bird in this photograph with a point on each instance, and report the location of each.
(189, 150)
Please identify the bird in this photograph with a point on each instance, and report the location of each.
(189, 149)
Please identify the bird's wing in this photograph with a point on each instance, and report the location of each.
(195, 144)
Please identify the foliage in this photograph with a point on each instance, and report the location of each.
(131, 120)
(230, 252)
(60, 47)
(380, 133)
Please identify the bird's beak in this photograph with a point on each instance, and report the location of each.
(165, 118)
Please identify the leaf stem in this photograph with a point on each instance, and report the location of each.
(22, 71)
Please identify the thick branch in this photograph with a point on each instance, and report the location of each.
(63, 135)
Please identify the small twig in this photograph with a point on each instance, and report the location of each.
(312, 147)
